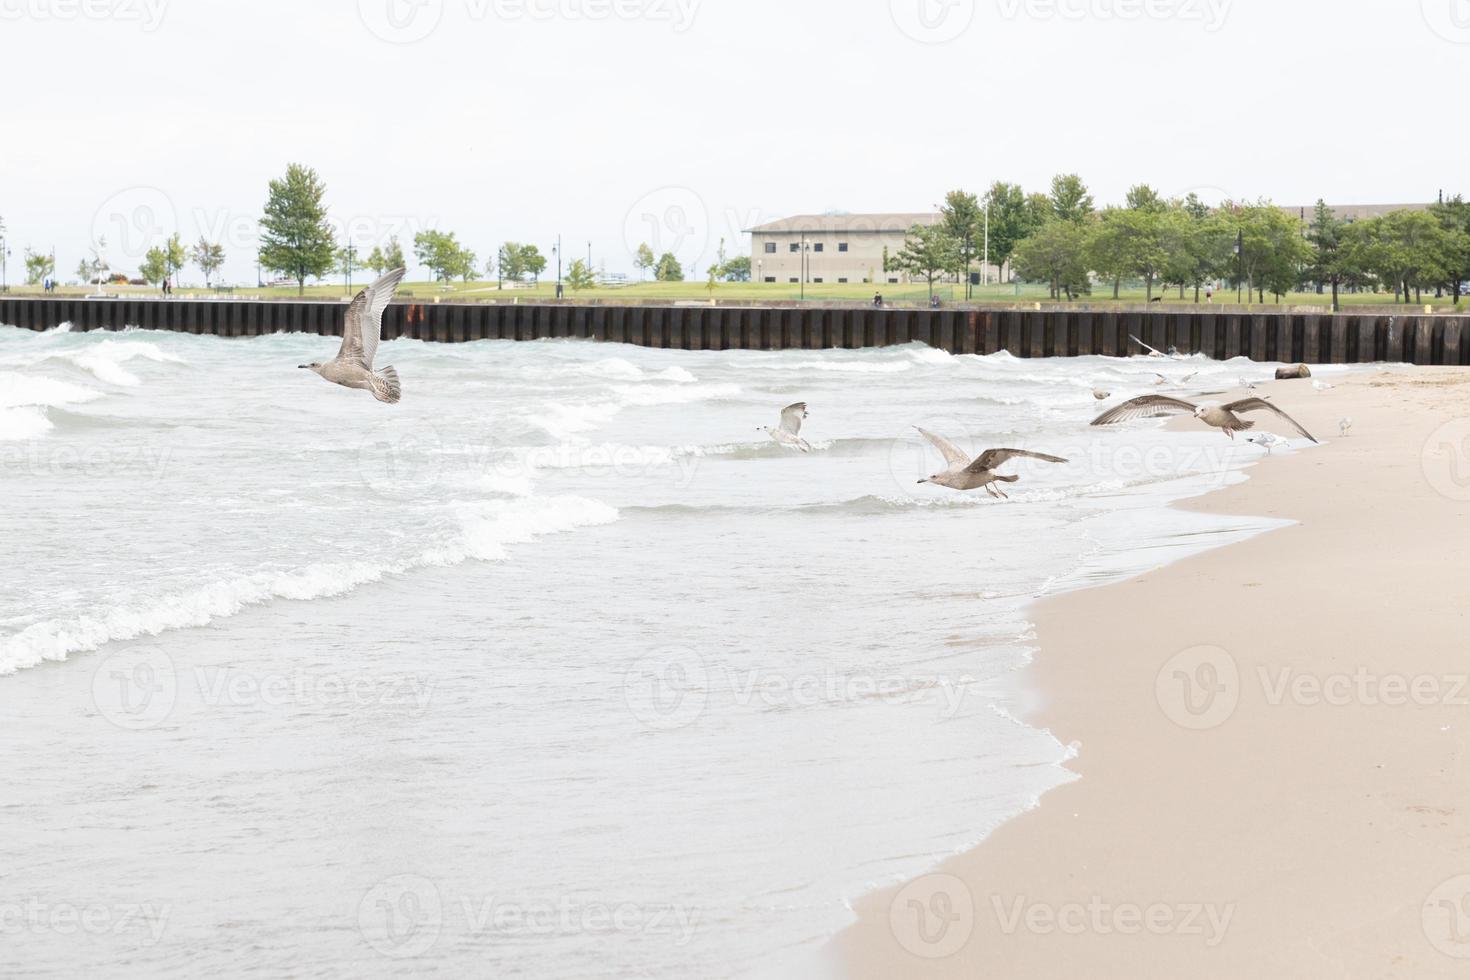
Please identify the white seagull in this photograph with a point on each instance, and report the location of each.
(1322, 386)
(1268, 441)
(788, 433)
(1226, 417)
(1172, 355)
(1345, 425)
(353, 365)
(962, 474)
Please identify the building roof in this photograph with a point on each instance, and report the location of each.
(1354, 212)
(838, 223)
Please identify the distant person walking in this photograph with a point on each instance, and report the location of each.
(878, 301)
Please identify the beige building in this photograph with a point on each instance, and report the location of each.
(833, 248)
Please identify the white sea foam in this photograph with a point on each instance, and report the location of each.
(486, 530)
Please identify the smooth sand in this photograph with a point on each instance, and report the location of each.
(1316, 830)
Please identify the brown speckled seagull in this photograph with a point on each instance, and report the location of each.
(1225, 417)
(963, 474)
(353, 365)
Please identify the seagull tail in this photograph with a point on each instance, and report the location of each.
(386, 387)
(1008, 479)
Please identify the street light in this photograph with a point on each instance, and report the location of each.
(1239, 262)
(351, 254)
(4, 257)
(556, 250)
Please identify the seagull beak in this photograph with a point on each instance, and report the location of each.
(303, 365)
(923, 481)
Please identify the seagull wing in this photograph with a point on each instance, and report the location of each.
(365, 319)
(953, 455)
(992, 458)
(1146, 407)
(1151, 351)
(791, 417)
(1259, 405)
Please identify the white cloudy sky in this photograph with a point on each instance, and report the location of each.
(601, 119)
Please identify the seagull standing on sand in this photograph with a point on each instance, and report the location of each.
(1322, 386)
(1268, 441)
(1226, 417)
(353, 365)
(963, 474)
(1101, 395)
(1345, 425)
(788, 433)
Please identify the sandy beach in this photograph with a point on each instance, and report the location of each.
(1271, 737)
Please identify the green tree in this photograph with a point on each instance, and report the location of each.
(928, 253)
(1326, 239)
(1454, 216)
(644, 260)
(1070, 200)
(446, 258)
(295, 237)
(1142, 197)
(155, 266)
(1272, 250)
(175, 256)
(1057, 254)
(38, 266)
(1012, 219)
(963, 219)
(386, 258)
(209, 257)
(668, 269)
(580, 276)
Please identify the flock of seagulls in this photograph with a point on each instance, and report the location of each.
(353, 368)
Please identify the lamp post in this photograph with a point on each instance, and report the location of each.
(4, 259)
(985, 262)
(351, 254)
(556, 250)
(1239, 262)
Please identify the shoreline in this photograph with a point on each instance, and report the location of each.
(1266, 757)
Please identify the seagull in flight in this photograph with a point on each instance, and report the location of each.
(788, 433)
(353, 365)
(1152, 352)
(963, 474)
(1226, 417)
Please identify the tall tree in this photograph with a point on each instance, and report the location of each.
(1325, 237)
(1142, 197)
(446, 258)
(668, 269)
(209, 257)
(1012, 219)
(175, 256)
(644, 260)
(386, 257)
(154, 268)
(928, 253)
(1454, 216)
(1070, 199)
(1057, 254)
(580, 276)
(963, 219)
(295, 237)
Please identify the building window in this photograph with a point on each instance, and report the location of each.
(817, 247)
(842, 246)
(793, 279)
(770, 278)
(892, 280)
(796, 246)
(770, 248)
(817, 279)
(842, 279)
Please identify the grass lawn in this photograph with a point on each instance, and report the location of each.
(667, 292)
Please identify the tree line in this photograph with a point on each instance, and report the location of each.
(1061, 239)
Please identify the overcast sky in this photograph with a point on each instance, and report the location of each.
(680, 122)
